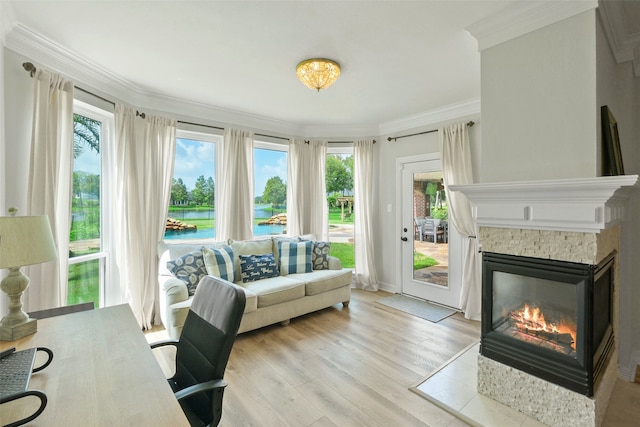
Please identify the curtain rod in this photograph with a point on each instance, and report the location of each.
(470, 123)
(338, 142)
(28, 66)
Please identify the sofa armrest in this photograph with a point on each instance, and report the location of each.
(174, 289)
(334, 263)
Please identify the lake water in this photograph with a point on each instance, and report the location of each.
(258, 230)
(260, 211)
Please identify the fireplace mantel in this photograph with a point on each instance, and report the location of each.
(581, 204)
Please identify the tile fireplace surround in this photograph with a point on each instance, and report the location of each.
(575, 220)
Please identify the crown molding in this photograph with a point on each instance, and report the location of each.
(524, 17)
(624, 42)
(432, 117)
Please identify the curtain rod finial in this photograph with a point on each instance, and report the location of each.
(28, 66)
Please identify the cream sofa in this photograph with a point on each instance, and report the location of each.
(269, 300)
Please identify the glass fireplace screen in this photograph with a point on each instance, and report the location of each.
(537, 311)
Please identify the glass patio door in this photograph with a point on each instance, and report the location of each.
(426, 235)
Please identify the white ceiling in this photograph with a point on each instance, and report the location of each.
(398, 58)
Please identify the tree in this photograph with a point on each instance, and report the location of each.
(210, 191)
(339, 179)
(86, 133)
(275, 191)
(179, 193)
(199, 193)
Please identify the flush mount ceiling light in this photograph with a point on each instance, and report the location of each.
(318, 73)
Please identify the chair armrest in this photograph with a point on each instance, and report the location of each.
(334, 263)
(164, 343)
(199, 388)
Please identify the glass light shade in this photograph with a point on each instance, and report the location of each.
(25, 240)
(318, 73)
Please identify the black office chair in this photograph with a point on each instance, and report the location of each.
(203, 349)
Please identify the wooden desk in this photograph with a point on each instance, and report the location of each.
(103, 374)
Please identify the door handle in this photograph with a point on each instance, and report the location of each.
(404, 239)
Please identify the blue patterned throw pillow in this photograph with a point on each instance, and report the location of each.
(295, 257)
(320, 255)
(219, 262)
(189, 268)
(256, 267)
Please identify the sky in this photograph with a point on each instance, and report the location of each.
(195, 158)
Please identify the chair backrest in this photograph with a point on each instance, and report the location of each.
(208, 335)
(59, 311)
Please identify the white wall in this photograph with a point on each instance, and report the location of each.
(538, 104)
(388, 225)
(19, 95)
(3, 156)
(620, 90)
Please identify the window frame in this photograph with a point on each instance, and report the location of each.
(106, 261)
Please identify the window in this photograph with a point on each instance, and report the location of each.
(88, 257)
(270, 188)
(192, 207)
(339, 182)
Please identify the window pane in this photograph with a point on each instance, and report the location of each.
(84, 282)
(192, 207)
(270, 189)
(84, 238)
(339, 182)
(85, 207)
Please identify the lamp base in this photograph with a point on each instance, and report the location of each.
(15, 332)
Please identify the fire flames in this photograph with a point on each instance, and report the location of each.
(530, 320)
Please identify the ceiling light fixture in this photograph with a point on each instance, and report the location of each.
(318, 73)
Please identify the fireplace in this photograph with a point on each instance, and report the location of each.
(552, 319)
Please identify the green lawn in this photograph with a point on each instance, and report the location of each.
(422, 261)
(335, 217)
(84, 283)
(345, 253)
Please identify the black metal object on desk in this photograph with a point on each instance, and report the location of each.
(16, 368)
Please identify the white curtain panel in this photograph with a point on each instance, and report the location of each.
(145, 157)
(365, 271)
(316, 206)
(296, 186)
(307, 211)
(234, 182)
(159, 158)
(122, 186)
(457, 170)
(50, 184)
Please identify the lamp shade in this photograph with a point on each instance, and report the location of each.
(25, 240)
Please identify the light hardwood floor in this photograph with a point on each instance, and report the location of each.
(353, 367)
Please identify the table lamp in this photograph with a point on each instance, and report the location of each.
(24, 240)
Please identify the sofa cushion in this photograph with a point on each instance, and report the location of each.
(276, 290)
(258, 267)
(323, 280)
(219, 262)
(189, 268)
(168, 251)
(248, 247)
(320, 255)
(295, 257)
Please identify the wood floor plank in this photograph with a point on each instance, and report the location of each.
(342, 366)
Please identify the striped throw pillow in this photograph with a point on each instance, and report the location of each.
(219, 262)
